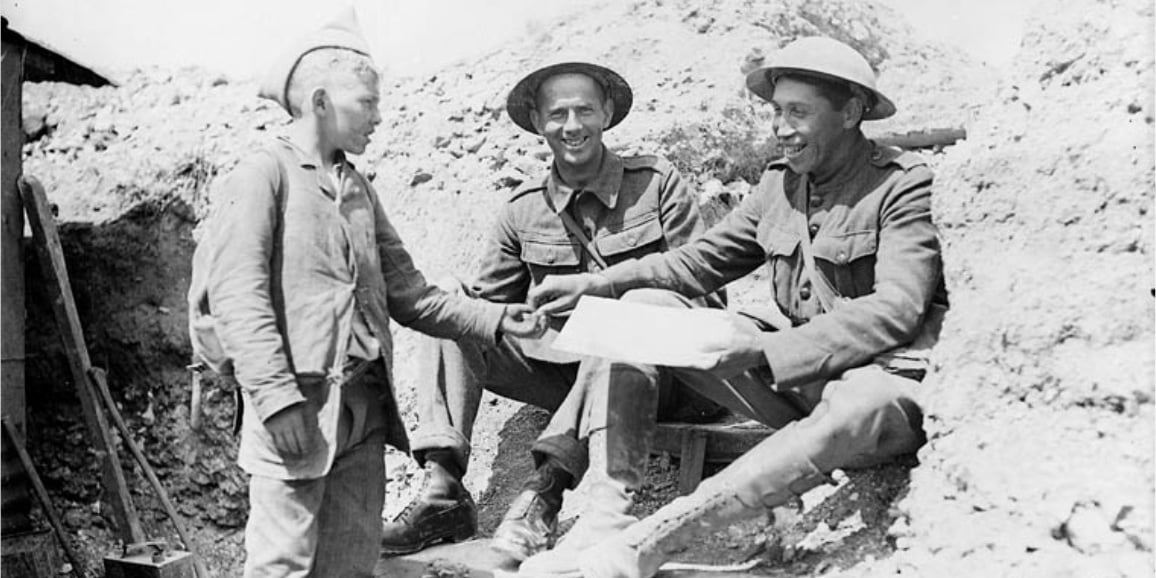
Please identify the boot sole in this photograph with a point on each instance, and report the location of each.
(516, 551)
(451, 538)
(511, 551)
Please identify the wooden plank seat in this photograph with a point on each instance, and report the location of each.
(697, 444)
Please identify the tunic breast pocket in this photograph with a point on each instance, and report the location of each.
(639, 238)
(848, 260)
(550, 258)
(781, 249)
(779, 246)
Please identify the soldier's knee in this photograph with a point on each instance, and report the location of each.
(868, 388)
(870, 396)
(655, 297)
(865, 418)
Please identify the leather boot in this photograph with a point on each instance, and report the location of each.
(622, 406)
(442, 510)
(607, 512)
(529, 524)
(770, 474)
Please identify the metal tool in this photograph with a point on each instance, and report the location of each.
(150, 560)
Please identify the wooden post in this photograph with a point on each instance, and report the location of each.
(51, 257)
(691, 459)
(16, 503)
(923, 139)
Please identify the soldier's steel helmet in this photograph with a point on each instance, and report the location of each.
(522, 98)
(823, 57)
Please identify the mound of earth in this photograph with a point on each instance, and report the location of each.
(1041, 411)
(1045, 367)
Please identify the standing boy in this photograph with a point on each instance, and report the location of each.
(302, 272)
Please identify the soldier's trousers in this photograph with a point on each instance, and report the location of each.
(454, 375)
(863, 417)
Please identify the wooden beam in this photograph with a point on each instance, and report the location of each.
(15, 497)
(923, 139)
(724, 442)
(50, 253)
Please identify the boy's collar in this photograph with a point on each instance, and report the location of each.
(307, 159)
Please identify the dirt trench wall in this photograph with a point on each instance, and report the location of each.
(1041, 404)
(129, 277)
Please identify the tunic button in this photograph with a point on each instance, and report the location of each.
(805, 293)
(814, 230)
(842, 257)
(816, 202)
(632, 241)
(549, 258)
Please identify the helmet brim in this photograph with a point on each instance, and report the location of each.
(761, 82)
(522, 98)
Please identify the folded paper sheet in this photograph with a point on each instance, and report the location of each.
(644, 333)
(543, 348)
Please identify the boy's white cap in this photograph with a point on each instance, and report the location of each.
(342, 32)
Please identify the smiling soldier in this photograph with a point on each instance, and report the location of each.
(844, 227)
(593, 209)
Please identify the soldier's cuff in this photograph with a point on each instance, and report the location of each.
(792, 361)
(491, 322)
(610, 286)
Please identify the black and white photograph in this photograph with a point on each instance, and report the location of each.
(578, 289)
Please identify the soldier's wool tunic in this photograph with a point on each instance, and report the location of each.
(872, 236)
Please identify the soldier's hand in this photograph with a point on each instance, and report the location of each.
(559, 293)
(294, 430)
(740, 350)
(521, 321)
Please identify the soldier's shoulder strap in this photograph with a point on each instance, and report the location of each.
(654, 163)
(527, 188)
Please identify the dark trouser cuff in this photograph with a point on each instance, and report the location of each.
(442, 438)
(564, 451)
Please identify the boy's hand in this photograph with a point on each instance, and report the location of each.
(560, 293)
(294, 430)
(521, 321)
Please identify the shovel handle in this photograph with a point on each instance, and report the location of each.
(195, 403)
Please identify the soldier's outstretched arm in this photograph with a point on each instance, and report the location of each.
(557, 294)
